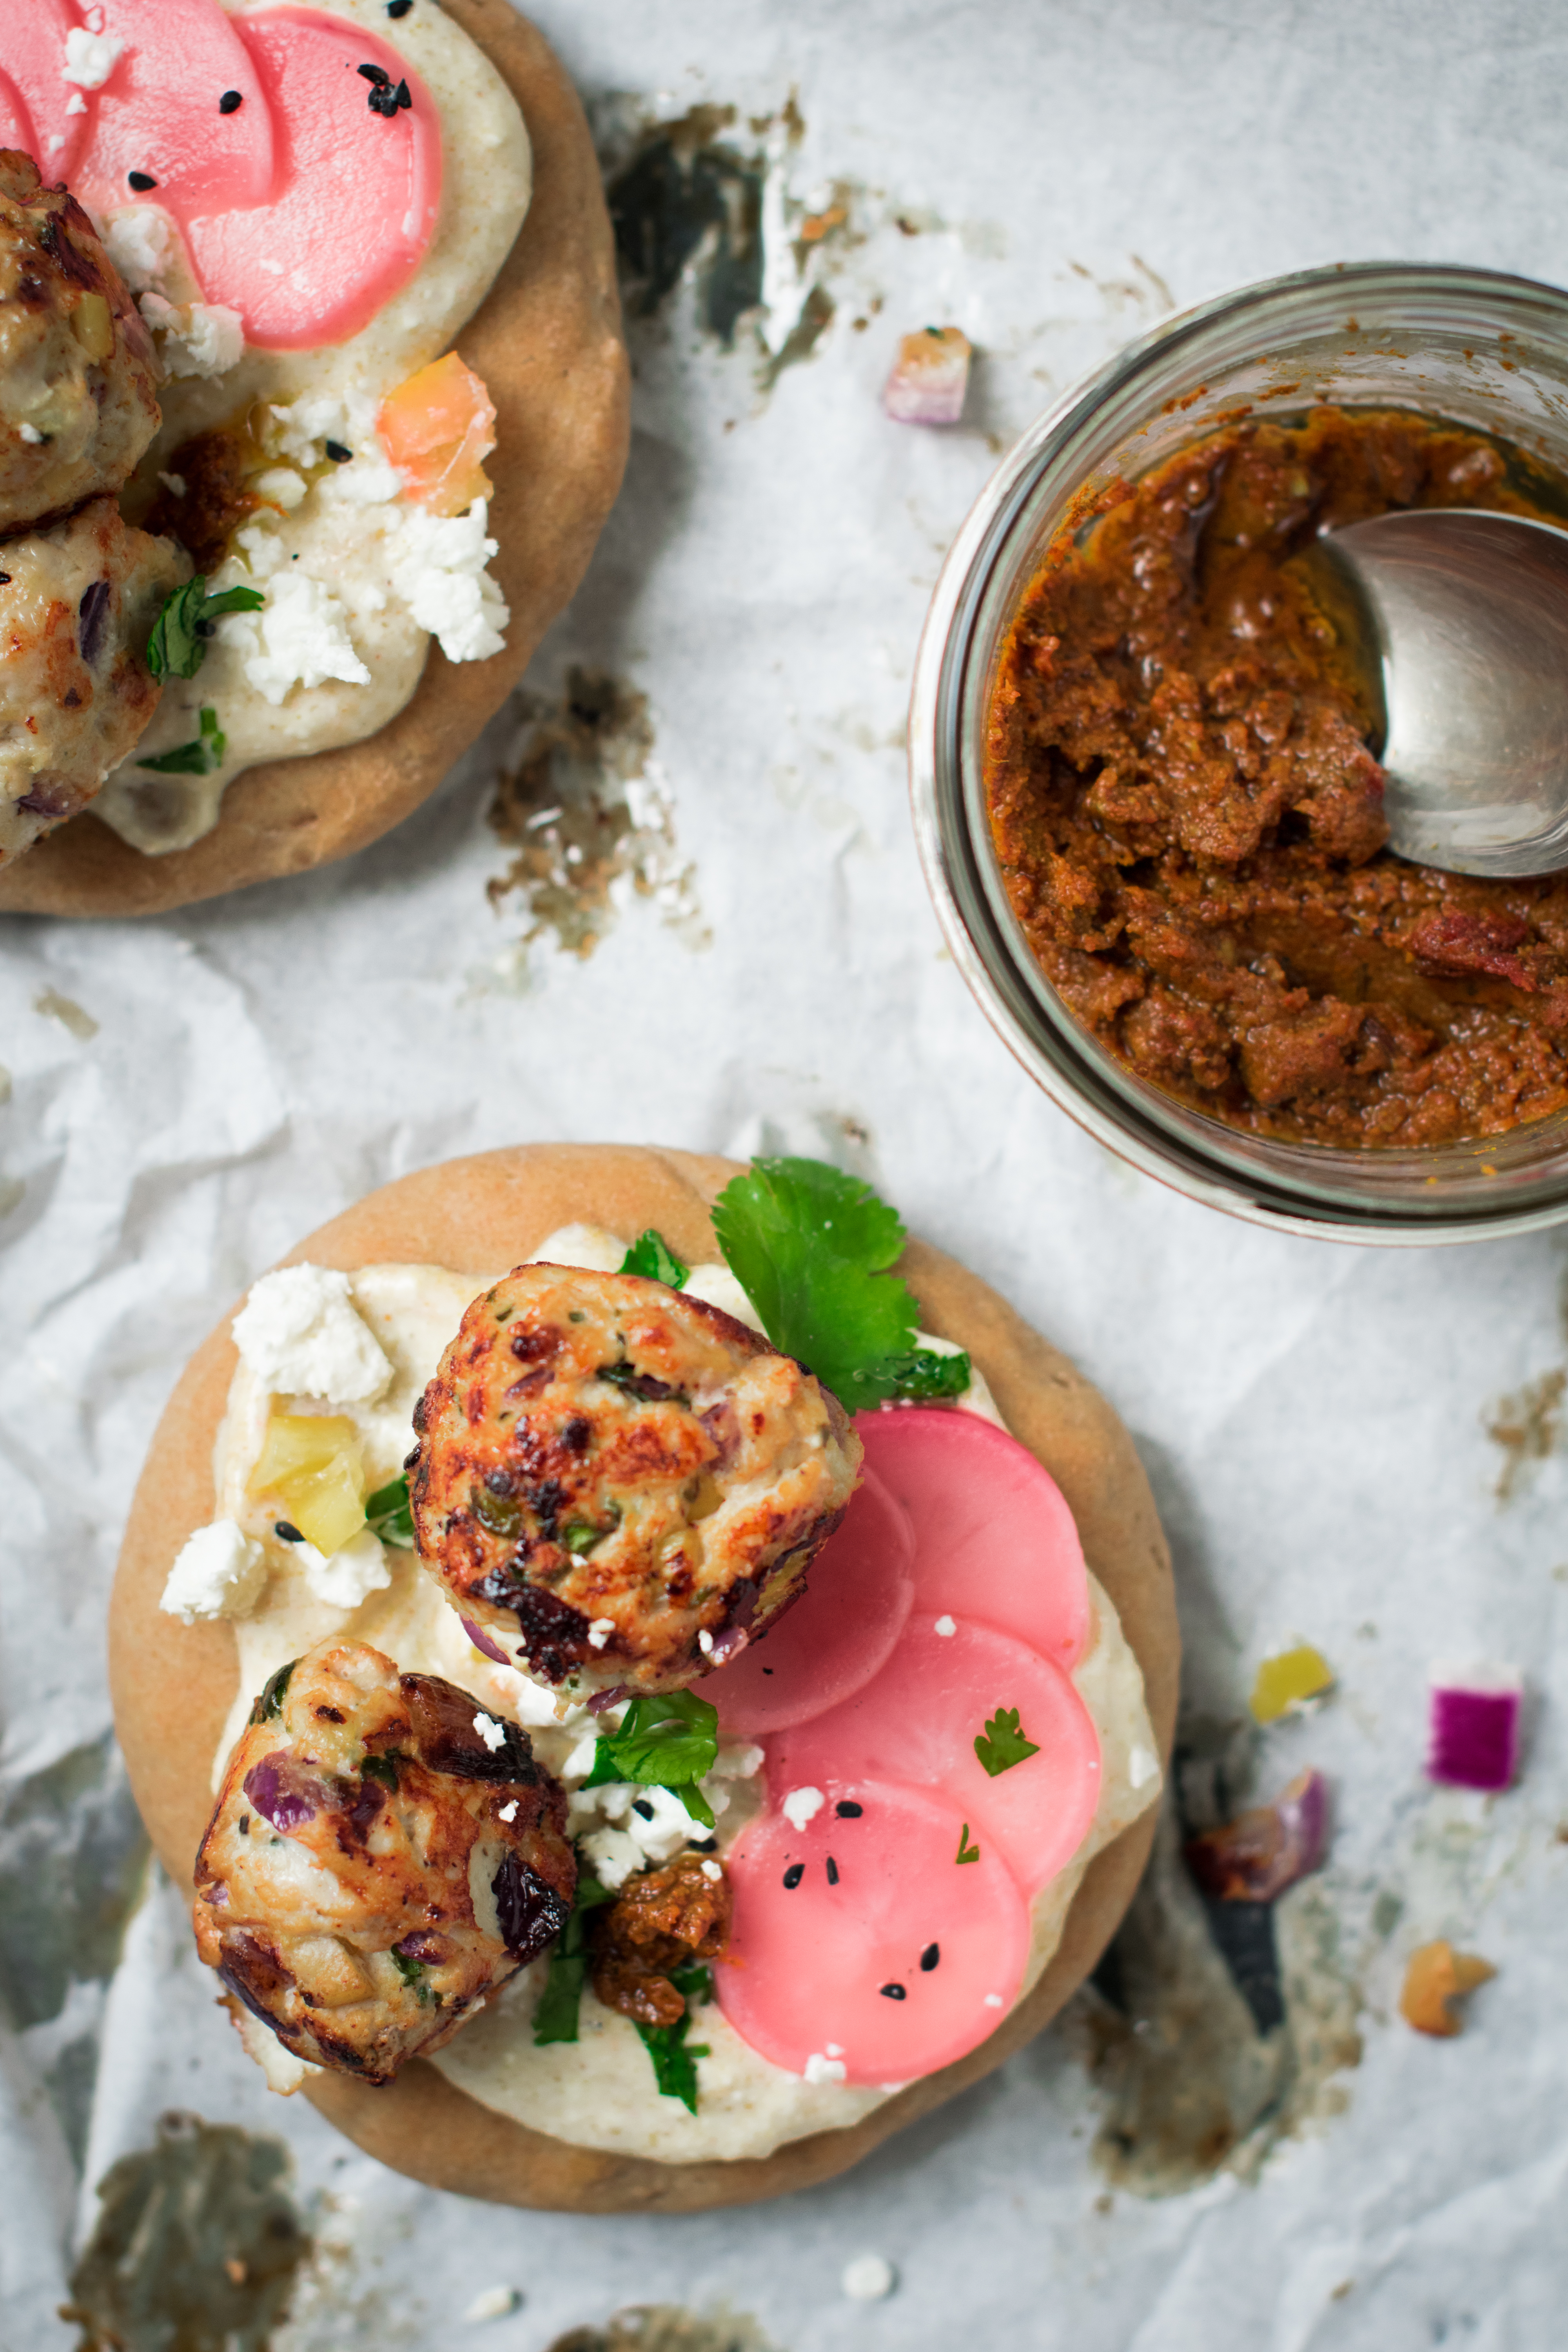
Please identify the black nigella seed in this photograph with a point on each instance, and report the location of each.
(5, 579)
(832, 1872)
(847, 1810)
(640, 1805)
(931, 1956)
(396, 8)
(231, 101)
(377, 74)
(340, 457)
(767, 1670)
(141, 181)
(402, 94)
(286, 1531)
(894, 1992)
(245, 1825)
(794, 1874)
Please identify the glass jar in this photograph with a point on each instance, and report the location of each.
(1469, 345)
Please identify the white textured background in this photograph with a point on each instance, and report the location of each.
(1313, 1419)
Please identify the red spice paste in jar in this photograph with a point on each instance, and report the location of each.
(1190, 822)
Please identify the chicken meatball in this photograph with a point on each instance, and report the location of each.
(384, 1854)
(77, 370)
(77, 605)
(621, 1482)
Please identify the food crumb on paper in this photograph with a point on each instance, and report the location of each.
(867, 2278)
(1286, 1681)
(495, 2303)
(67, 1012)
(1436, 1976)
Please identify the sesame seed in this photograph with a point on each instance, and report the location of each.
(231, 101)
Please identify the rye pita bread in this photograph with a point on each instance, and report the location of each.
(547, 341)
(172, 1684)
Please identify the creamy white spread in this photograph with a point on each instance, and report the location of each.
(599, 2091)
(357, 578)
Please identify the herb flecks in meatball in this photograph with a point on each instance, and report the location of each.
(77, 371)
(621, 1483)
(662, 1921)
(384, 1854)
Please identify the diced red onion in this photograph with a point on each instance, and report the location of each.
(930, 377)
(602, 1699)
(281, 1793)
(1473, 1727)
(728, 1644)
(483, 1644)
(1266, 1849)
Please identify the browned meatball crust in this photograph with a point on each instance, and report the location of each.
(77, 602)
(382, 1855)
(619, 1483)
(77, 370)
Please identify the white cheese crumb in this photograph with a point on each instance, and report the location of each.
(90, 57)
(300, 638)
(993, 2001)
(714, 1871)
(946, 1625)
(599, 1632)
(299, 1334)
(1143, 1766)
(284, 2072)
(803, 1805)
(737, 1763)
(438, 569)
(351, 1575)
(492, 1733)
(29, 433)
(219, 1573)
(508, 1812)
(140, 241)
(281, 486)
(199, 339)
(494, 2303)
(174, 484)
(867, 2278)
(75, 104)
(821, 2069)
(580, 1762)
(623, 1828)
(705, 1642)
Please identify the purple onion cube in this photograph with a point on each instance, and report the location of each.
(1473, 1725)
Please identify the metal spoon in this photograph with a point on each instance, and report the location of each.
(1468, 617)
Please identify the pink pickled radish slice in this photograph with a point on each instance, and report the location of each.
(358, 192)
(919, 1721)
(810, 1960)
(840, 1631)
(33, 53)
(994, 1537)
(158, 113)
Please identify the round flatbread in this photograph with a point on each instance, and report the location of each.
(547, 341)
(172, 1684)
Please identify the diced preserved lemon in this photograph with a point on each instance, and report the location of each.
(1286, 1681)
(310, 1464)
(92, 324)
(437, 429)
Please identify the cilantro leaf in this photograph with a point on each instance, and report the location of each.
(967, 1853)
(203, 756)
(664, 1742)
(178, 644)
(811, 1246)
(924, 1374)
(1003, 1745)
(674, 2058)
(413, 1973)
(651, 1256)
(383, 1768)
(388, 1514)
(556, 2012)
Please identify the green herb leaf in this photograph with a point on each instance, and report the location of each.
(923, 1375)
(811, 1246)
(178, 644)
(205, 757)
(665, 1742)
(389, 1515)
(413, 1973)
(674, 2058)
(651, 1256)
(967, 1853)
(556, 2012)
(269, 1706)
(383, 1768)
(1003, 1745)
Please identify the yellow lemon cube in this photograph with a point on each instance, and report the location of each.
(310, 1466)
(1285, 1681)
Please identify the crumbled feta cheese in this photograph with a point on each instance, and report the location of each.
(738, 1763)
(370, 481)
(140, 241)
(438, 569)
(599, 1632)
(705, 1642)
(219, 1573)
(495, 2303)
(993, 2001)
(301, 429)
(300, 637)
(29, 433)
(281, 486)
(713, 1871)
(90, 57)
(822, 2069)
(803, 1805)
(283, 2071)
(624, 1827)
(353, 1572)
(580, 1762)
(492, 1733)
(299, 1334)
(1143, 1766)
(946, 1625)
(509, 1811)
(174, 484)
(75, 104)
(199, 339)
(867, 2278)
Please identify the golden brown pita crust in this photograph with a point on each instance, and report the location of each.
(172, 1684)
(547, 341)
